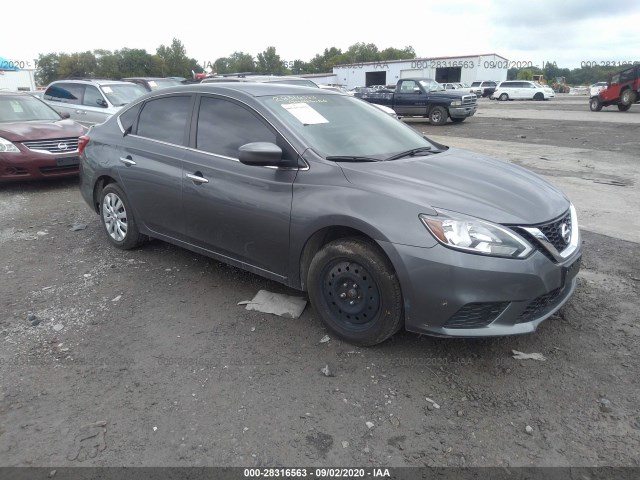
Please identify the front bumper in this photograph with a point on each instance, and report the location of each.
(455, 294)
(463, 112)
(29, 165)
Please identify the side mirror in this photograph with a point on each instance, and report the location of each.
(261, 154)
(417, 90)
(102, 103)
(65, 114)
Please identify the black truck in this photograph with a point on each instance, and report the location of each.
(423, 97)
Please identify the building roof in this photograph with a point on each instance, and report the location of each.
(421, 59)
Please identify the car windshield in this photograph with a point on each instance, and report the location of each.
(25, 108)
(120, 94)
(339, 125)
(159, 83)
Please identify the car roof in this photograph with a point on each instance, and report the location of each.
(92, 81)
(146, 78)
(253, 89)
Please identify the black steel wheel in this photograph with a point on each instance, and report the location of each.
(355, 290)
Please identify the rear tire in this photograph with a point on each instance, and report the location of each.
(504, 97)
(438, 116)
(117, 218)
(595, 105)
(628, 97)
(356, 292)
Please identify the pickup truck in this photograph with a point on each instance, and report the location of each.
(423, 97)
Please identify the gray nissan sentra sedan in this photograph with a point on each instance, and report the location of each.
(324, 193)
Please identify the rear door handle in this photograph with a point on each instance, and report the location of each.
(197, 177)
(127, 161)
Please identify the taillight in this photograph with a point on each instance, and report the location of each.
(83, 141)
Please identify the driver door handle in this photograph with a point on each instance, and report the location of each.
(196, 177)
(127, 161)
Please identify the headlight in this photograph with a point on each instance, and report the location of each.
(456, 103)
(7, 147)
(473, 235)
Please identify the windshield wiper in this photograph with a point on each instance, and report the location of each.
(351, 158)
(409, 153)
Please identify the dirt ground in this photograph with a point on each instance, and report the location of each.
(144, 358)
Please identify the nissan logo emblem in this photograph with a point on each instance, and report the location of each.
(565, 231)
(62, 146)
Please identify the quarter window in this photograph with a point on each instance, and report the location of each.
(224, 126)
(65, 93)
(165, 119)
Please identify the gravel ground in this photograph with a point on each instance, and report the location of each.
(144, 357)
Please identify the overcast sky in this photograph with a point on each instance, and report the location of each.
(565, 31)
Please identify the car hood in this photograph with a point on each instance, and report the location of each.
(40, 130)
(464, 182)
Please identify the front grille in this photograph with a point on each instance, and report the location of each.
(57, 145)
(536, 244)
(58, 170)
(469, 100)
(553, 232)
(476, 315)
(539, 305)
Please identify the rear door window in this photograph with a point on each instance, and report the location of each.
(165, 119)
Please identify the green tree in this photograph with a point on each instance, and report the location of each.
(270, 62)
(397, 53)
(107, 64)
(134, 62)
(77, 65)
(47, 69)
(175, 60)
(241, 62)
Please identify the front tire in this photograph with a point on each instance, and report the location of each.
(438, 116)
(355, 290)
(595, 105)
(538, 97)
(623, 108)
(458, 120)
(117, 218)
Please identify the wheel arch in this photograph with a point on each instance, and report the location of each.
(100, 183)
(325, 235)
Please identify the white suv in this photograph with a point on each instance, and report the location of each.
(522, 90)
(91, 101)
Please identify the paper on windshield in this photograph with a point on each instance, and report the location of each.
(152, 83)
(305, 113)
(107, 90)
(17, 108)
